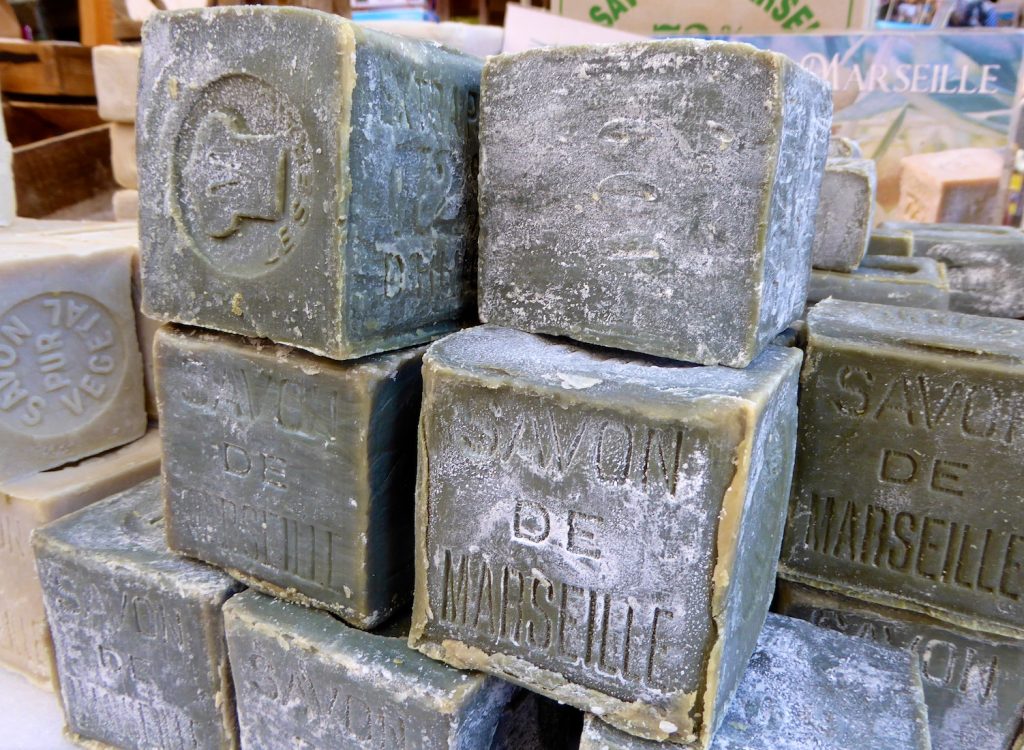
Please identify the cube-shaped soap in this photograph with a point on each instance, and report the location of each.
(891, 241)
(600, 529)
(972, 681)
(304, 679)
(31, 502)
(657, 197)
(886, 280)
(293, 472)
(306, 180)
(957, 185)
(137, 631)
(71, 382)
(846, 212)
(907, 486)
(805, 689)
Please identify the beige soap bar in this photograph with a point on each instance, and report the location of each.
(122, 155)
(29, 503)
(958, 186)
(126, 205)
(71, 383)
(116, 70)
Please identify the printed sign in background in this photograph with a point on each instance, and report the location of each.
(662, 17)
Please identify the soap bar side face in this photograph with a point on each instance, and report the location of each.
(292, 471)
(907, 487)
(986, 274)
(971, 681)
(886, 280)
(758, 527)
(411, 256)
(891, 242)
(611, 248)
(845, 214)
(243, 161)
(70, 369)
(137, 632)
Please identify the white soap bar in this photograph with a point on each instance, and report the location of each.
(36, 500)
(71, 383)
(116, 70)
(122, 155)
(126, 205)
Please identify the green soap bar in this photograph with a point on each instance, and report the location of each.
(846, 212)
(985, 265)
(657, 197)
(138, 635)
(908, 487)
(892, 242)
(886, 280)
(597, 528)
(807, 688)
(972, 682)
(304, 679)
(305, 179)
(293, 472)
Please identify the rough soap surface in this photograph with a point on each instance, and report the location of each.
(972, 681)
(907, 487)
(620, 185)
(846, 211)
(306, 180)
(303, 679)
(137, 631)
(598, 529)
(808, 689)
(293, 472)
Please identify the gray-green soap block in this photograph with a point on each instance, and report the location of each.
(306, 180)
(886, 280)
(846, 210)
(657, 197)
(293, 472)
(809, 688)
(138, 632)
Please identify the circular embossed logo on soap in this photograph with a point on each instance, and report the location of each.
(61, 362)
(242, 176)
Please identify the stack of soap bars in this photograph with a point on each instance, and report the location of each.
(381, 525)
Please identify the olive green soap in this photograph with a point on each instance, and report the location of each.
(138, 634)
(600, 529)
(891, 241)
(305, 179)
(846, 212)
(972, 682)
(304, 679)
(657, 197)
(808, 690)
(907, 486)
(886, 280)
(293, 472)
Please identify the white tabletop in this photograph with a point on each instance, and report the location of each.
(30, 718)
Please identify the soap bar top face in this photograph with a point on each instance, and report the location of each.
(844, 148)
(972, 682)
(568, 521)
(70, 369)
(116, 70)
(137, 631)
(956, 185)
(31, 502)
(619, 184)
(886, 280)
(810, 688)
(846, 212)
(306, 180)
(304, 679)
(294, 472)
(907, 486)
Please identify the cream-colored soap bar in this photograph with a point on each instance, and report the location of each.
(116, 70)
(122, 155)
(8, 202)
(71, 383)
(126, 205)
(31, 502)
(959, 186)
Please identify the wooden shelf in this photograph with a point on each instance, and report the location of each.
(46, 68)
